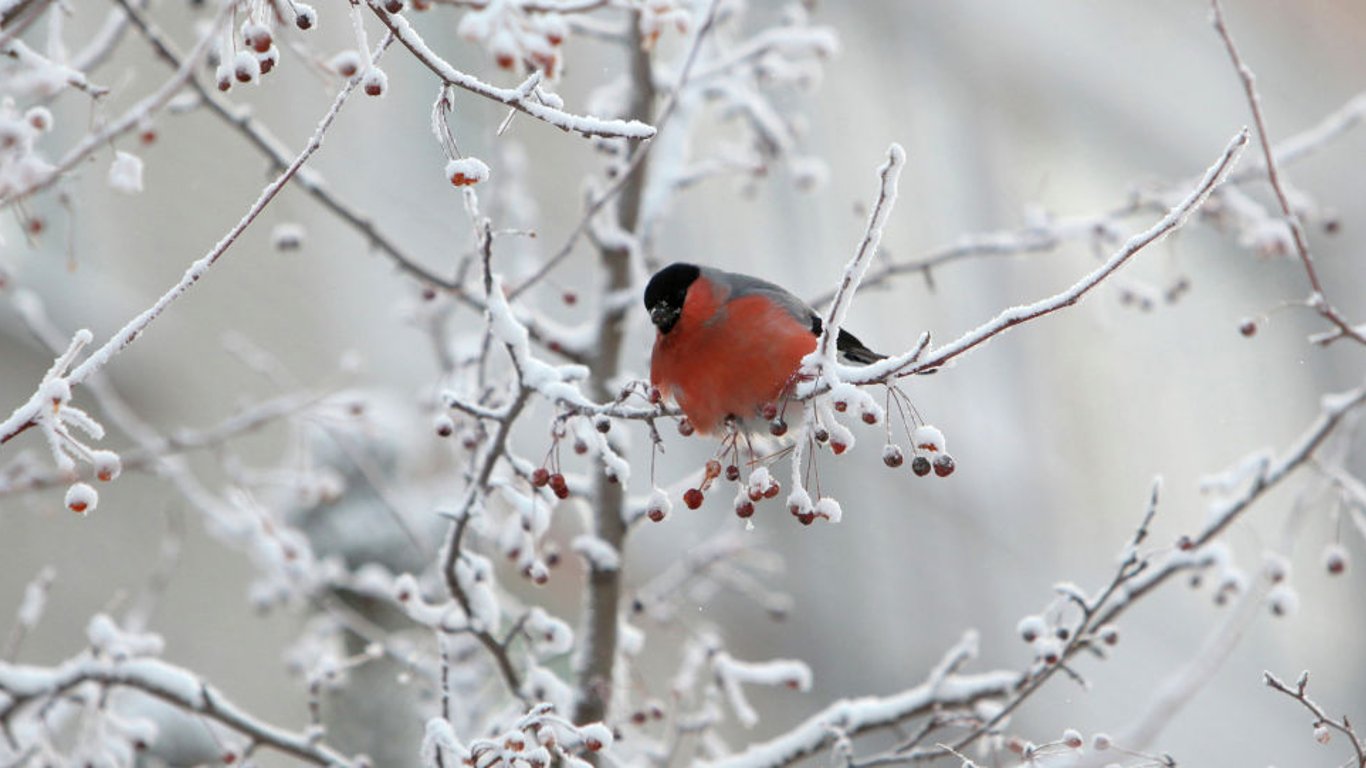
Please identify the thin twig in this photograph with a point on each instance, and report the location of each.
(1319, 300)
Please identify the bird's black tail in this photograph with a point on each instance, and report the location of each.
(851, 349)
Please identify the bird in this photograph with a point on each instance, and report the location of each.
(728, 344)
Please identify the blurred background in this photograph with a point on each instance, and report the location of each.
(1010, 113)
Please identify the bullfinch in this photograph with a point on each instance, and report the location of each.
(729, 344)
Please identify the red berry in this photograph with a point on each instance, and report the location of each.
(559, 486)
(892, 456)
(943, 465)
(773, 489)
(838, 447)
(602, 424)
(393, 6)
(655, 514)
(1248, 327)
(744, 508)
(756, 494)
(806, 519)
(540, 476)
(821, 434)
(685, 427)
(580, 447)
(693, 498)
(505, 60)
(570, 298)
(656, 397)
(769, 411)
(732, 472)
(777, 427)
(869, 417)
(713, 469)
(841, 405)
(920, 466)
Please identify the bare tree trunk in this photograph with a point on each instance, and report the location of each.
(604, 585)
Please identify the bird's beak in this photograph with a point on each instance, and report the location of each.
(664, 317)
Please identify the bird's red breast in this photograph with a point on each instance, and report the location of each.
(728, 357)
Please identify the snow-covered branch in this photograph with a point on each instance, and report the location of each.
(516, 98)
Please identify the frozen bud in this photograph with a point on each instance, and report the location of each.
(287, 236)
(256, 36)
(744, 507)
(596, 736)
(602, 424)
(1031, 628)
(223, 77)
(1072, 738)
(374, 82)
(658, 507)
(443, 425)
(1321, 734)
(39, 118)
(467, 171)
(713, 469)
(81, 499)
(920, 466)
(1248, 327)
(1335, 558)
(268, 59)
(537, 573)
(346, 64)
(1282, 600)
(693, 498)
(304, 16)
(928, 438)
(1276, 567)
(892, 456)
(1109, 634)
(1048, 650)
(569, 298)
(107, 465)
(245, 67)
(1101, 742)
(125, 173)
(943, 465)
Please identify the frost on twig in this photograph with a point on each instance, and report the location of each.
(1323, 724)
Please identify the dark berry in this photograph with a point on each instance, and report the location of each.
(943, 465)
(920, 466)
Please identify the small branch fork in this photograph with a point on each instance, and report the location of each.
(1318, 300)
(1321, 718)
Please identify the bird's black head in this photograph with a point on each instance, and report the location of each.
(666, 291)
